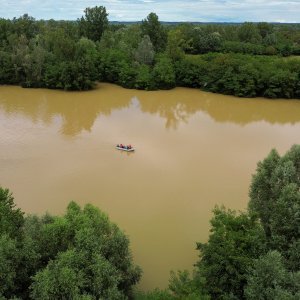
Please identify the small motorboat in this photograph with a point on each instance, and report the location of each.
(127, 148)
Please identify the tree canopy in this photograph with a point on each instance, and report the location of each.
(80, 255)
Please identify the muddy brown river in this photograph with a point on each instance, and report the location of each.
(194, 150)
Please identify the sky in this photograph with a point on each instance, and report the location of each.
(167, 10)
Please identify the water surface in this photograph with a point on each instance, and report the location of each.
(194, 150)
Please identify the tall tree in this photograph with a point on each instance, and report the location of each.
(155, 30)
(144, 53)
(94, 23)
(275, 197)
(234, 242)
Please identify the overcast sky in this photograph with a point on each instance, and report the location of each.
(167, 10)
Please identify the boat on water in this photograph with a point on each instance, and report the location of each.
(127, 148)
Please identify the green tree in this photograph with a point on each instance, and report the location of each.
(90, 256)
(34, 64)
(25, 25)
(192, 71)
(175, 45)
(9, 260)
(81, 255)
(144, 54)
(248, 32)
(94, 22)
(281, 84)
(204, 41)
(5, 31)
(269, 280)
(125, 39)
(112, 62)
(155, 30)
(11, 218)
(184, 286)
(164, 73)
(275, 197)
(6, 68)
(127, 75)
(234, 242)
(265, 29)
(60, 44)
(144, 79)
(270, 39)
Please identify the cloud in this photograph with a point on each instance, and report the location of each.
(167, 10)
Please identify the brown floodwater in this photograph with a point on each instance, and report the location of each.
(194, 150)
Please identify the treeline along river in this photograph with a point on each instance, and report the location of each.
(245, 60)
(193, 150)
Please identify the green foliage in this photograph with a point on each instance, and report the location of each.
(92, 258)
(243, 47)
(192, 71)
(240, 75)
(71, 275)
(6, 68)
(144, 79)
(281, 84)
(145, 53)
(269, 280)
(94, 23)
(183, 286)
(127, 75)
(11, 218)
(262, 197)
(81, 255)
(203, 41)
(153, 295)
(175, 45)
(275, 197)
(234, 242)
(265, 29)
(25, 25)
(163, 72)
(154, 29)
(112, 63)
(248, 32)
(9, 259)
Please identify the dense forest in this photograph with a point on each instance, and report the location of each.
(246, 60)
(249, 255)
